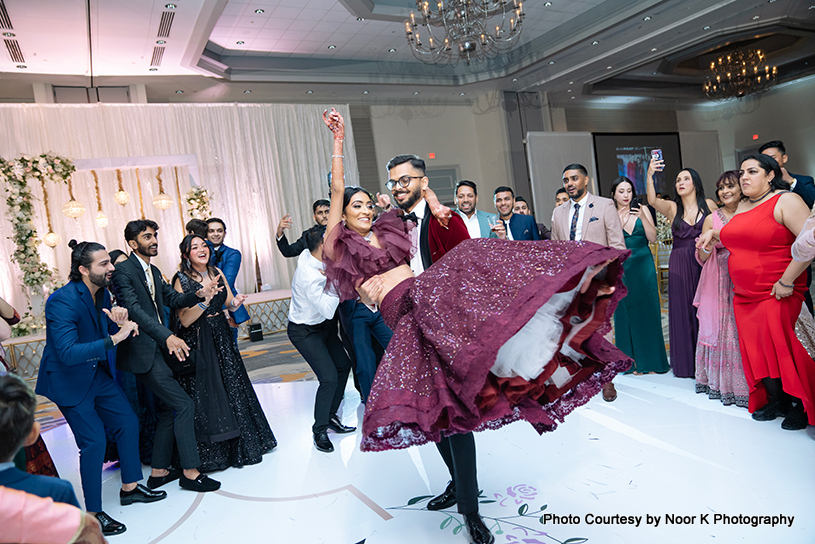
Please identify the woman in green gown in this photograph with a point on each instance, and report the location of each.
(638, 320)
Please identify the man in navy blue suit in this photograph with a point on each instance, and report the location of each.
(18, 429)
(512, 226)
(228, 259)
(81, 327)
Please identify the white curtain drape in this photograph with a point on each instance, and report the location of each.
(259, 162)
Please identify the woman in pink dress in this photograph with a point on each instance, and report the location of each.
(494, 332)
(719, 372)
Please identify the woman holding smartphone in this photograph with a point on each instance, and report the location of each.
(686, 213)
(637, 321)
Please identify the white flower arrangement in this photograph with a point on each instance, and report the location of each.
(36, 276)
(198, 200)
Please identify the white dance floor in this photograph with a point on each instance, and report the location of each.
(660, 464)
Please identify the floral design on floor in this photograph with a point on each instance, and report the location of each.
(518, 526)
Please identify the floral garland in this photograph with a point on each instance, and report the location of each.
(663, 228)
(198, 200)
(16, 176)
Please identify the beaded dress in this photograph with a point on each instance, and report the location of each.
(492, 333)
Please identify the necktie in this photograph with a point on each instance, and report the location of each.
(151, 286)
(573, 228)
(410, 217)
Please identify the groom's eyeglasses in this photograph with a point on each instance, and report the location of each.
(404, 181)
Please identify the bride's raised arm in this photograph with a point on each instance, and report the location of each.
(336, 124)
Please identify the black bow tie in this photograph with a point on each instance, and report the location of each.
(410, 217)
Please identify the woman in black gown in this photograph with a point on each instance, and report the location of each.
(230, 426)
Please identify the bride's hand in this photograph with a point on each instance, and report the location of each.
(335, 123)
(603, 289)
(441, 212)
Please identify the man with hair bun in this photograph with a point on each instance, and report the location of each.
(81, 327)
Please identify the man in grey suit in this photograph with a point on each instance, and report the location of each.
(477, 222)
(587, 218)
(140, 288)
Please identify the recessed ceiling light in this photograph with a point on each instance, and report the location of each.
(770, 1)
(8, 34)
(360, 18)
(654, 73)
(364, 92)
(551, 62)
(514, 79)
(571, 83)
(22, 66)
(568, 90)
(547, 4)
(332, 46)
(260, 11)
(755, 17)
(595, 42)
(179, 91)
(240, 42)
(653, 49)
(608, 67)
(391, 50)
(706, 28)
(169, 6)
(151, 69)
(247, 91)
(461, 94)
(646, 18)
(572, 98)
(309, 92)
(160, 42)
(415, 92)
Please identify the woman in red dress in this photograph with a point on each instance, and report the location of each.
(769, 291)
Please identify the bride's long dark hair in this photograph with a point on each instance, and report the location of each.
(185, 267)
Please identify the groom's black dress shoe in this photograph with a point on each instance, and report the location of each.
(336, 425)
(140, 494)
(445, 500)
(322, 442)
(109, 525)
(154, 482)
(478, 532)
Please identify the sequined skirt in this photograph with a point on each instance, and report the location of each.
(450, 322)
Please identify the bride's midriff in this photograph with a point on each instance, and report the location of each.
(392, 278)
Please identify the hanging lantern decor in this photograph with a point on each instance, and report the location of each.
(101, 218)
(162, 201)
(121, 197)
(73, 208)
(51, 239)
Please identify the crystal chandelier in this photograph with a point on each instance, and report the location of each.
(469, 30)
(121, 197)
(738, 74)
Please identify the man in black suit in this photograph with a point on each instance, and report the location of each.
(406, 182)
(320, 211)
(803, 186)
(141, 289)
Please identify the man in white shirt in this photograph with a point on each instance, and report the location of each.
(476, 221)
(313, 331)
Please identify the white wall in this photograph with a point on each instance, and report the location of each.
(787, 113)
(476, 141)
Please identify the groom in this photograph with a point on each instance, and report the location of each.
(406, 182)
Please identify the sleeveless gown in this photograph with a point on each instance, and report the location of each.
(759, 254)
(683, 277)
(719, 370)
(230, 426)
(638, 319)
(476, 310)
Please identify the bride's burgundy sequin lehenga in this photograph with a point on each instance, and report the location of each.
(450, 323)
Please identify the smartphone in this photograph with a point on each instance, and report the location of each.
(636, 203)
(657, 154)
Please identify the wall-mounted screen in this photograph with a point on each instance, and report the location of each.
(629, 154)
